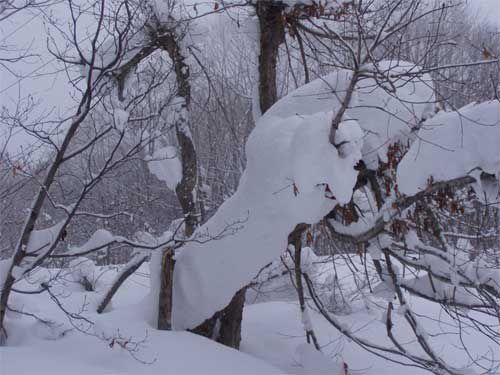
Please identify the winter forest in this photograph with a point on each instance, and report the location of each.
(249, 187)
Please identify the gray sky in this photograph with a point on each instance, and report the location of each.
(51, 89)
(490, 8)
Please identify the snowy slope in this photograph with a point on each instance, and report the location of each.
(35, 348)
(272, 335)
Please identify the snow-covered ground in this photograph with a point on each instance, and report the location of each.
(273, 340)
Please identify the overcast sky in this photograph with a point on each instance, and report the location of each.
(490, 8)
(27, 31)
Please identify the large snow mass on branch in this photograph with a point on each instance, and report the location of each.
(452, 145)
(289, 163)
(387, 111)
(166, 166)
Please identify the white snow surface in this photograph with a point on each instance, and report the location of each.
(452, 145)
(290, 160)
(81, 267)
(120, 118)
(273, 339)
(59, 349)
(99, 239)
(384, 117)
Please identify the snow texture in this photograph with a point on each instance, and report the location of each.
(166, 166)
(385, 114)
(314, 362)
(82, 268)
(452, 145)
(99, 239)
(273, 340)
(290, 162)
(121, 118)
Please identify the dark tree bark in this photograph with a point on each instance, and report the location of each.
(225, 325)
(165, 297)
(272, 34)
(186, 187)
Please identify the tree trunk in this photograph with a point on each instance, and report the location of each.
(165, 297)
(272, 34)
(225, 325)
(128, 270)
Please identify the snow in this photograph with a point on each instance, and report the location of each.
(315, 160)
(272, 331)
(80, 268)
(120, 118)
(59, 349)
(42, 239)
(452, 145)
(166, 166)
(385, 117)
(312, 361)
(99, 239)
(276, 192)
(273, 338)
(290, 165)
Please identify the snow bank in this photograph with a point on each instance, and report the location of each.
(452, 145)
(57, 349)
(314, 362)
(290, 164)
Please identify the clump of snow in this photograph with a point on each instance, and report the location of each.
(276, 192)
(378, 244)
(290, 165)
(120, 118)
(385, 115)
(43, 238)
(166, 166)
(99, 239)
(452, 145)
(315, 161)
(307, 260)
(81, 268)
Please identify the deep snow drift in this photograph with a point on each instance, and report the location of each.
(273, 339)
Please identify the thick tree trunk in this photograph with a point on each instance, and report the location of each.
(225, 325)
(272, 34)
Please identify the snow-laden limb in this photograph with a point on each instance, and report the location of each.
(127, 270)
(454, 144)
(39, 245)
(386, 112)
(83, 270)
(43, 238)
(269, 204)
(99, 239)
(438, 291)
(290, 165)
